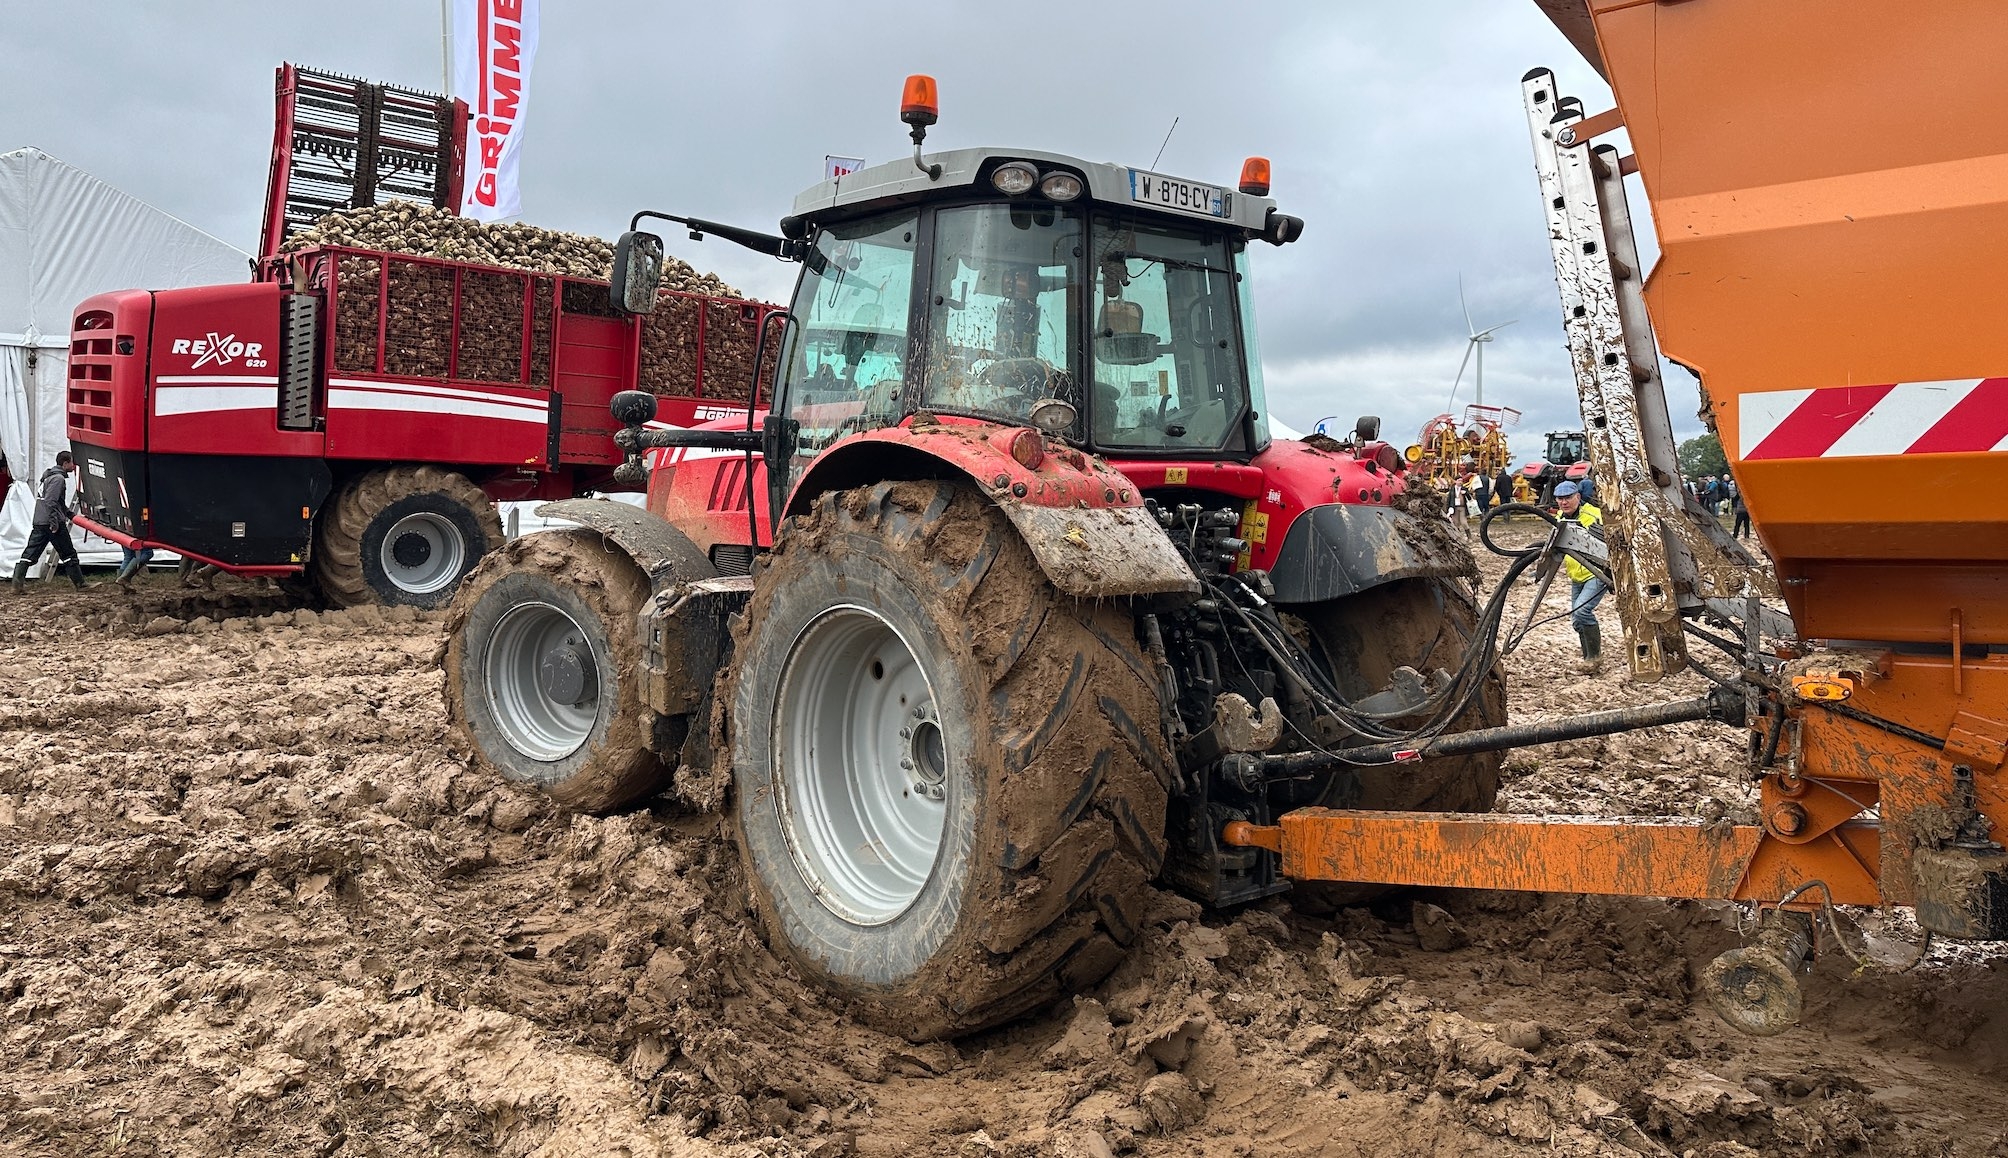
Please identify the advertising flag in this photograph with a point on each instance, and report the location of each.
(841, 166)
(494, 42)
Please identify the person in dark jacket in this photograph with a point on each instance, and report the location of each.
(1503, 486)
(52, 524)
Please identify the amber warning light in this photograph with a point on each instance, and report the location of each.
(918, 105)
(1254, 176)
(919, 108)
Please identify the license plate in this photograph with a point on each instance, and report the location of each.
(1171, 193)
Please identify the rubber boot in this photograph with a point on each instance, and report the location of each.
(75, 570)
(1592, 638)
(21, 577)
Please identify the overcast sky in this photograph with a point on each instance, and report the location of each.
(1395, 130)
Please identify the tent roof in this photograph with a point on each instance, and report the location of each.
(65, 235)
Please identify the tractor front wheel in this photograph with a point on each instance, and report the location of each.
(950, 779)
(543, 669)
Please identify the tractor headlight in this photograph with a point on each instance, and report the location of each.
(1061, 186)
(1014, 178)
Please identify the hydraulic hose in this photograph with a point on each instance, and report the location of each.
(1511, 736)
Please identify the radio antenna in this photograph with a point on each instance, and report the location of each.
(1167, 140)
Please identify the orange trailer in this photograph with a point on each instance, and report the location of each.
(1831, 246)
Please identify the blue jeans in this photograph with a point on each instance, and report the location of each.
(1583, 600)
(133, 560)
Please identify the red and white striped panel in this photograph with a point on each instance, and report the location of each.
(411, 398)
(1960, 415)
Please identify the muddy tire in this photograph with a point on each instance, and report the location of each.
(543, 670)
(1424, 624)
(1004, 866)
(405, 536)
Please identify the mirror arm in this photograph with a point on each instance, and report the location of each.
(773, 245)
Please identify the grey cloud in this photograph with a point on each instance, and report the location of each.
(1395, 131)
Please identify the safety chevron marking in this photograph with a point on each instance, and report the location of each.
(1958, 415)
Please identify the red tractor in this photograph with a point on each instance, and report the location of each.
(1035, 590)
(1566, 460)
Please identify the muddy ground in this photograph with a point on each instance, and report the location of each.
(252, 901)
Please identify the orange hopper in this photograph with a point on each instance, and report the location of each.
(1829, 184)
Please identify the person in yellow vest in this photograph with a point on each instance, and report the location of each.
(1585, 589)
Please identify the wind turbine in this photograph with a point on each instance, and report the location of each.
(1476, 341)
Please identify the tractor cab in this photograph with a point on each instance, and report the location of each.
(1028, 288)
(1566, 447)
(1106, 306)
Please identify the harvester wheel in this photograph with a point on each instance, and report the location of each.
(542, 669)
(1423, 624)
(950, 778)
(403, 536)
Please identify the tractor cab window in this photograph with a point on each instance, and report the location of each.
(1168, 367)
(847, 350)
(1007, 288)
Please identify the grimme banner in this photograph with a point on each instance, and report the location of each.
(494, 42)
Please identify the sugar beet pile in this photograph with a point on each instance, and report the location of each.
(252, 901)
(415, 334)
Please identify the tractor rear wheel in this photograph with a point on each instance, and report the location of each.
(404, 536)
(1423, 624)
(950, 779)
(543, 669)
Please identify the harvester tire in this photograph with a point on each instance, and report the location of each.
(543, 661)
(405, 536)
(1420, 623)
(950, 779)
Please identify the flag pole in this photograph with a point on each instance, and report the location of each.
(445, 48)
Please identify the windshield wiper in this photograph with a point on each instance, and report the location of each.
(1167, 262)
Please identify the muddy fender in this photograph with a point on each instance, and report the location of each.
(1083, 519)
(1102, 551)
(664, 554)
(1336, 550)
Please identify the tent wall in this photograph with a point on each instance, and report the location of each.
(64, 236)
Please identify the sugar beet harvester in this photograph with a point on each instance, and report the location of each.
(350, 415)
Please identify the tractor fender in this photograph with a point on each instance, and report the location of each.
(1083, 520)
(1339, 549)
(664, 554)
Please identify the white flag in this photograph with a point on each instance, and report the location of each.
(841, 166)
(494, 42)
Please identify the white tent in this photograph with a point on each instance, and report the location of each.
(65, 235)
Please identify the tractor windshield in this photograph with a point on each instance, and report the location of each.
(1169, 371)
(847, 351)
(1007, 288)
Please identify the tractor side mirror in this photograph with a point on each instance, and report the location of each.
(637, 272)
(1367, 429)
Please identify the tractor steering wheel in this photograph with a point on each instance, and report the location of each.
(1018, 376)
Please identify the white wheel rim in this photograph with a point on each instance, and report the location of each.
(422, 553)
(860, 766)
(543, 681)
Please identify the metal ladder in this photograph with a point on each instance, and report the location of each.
(1669, 558)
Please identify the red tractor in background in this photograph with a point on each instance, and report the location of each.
(1565, 460)
(1036, 590)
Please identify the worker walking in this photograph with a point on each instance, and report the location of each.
(52, 524)
(1585, 589)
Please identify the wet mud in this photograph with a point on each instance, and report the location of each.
(253, 901)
